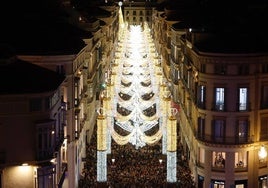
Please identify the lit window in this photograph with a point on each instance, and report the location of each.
(219, 99)
(243, 99)
(218, 159)
(201, 96)
(201, 155)
(241, 159)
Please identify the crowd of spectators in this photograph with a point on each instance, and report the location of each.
(128, 167)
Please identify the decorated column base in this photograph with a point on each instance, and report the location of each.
(171, 167)
(101, 166)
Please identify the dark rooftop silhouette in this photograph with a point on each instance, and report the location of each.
(21, 77)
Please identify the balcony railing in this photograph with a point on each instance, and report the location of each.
(234, 140)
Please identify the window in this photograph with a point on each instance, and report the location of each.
(217, 184)
(264, 97)
(218, 130)
(45, 139)
(220, 69)
(60, 69)
(76, 91)
(46, 176)
(263, 181)
(201, 96)
(203, 68)
(265, 68)
(241, 184)
(35, 104)
(264, 128)
(243, 69)
(218, 159)
(242, 130)
(134, 12)
(201, 155)
(219, 99)
(201, 127)
(243, 99)
(241, 159)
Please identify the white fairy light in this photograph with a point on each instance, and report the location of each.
(171, 167)
(101, 166)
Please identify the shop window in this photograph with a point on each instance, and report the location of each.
(263, 181)
(217, 184)
(241, 184)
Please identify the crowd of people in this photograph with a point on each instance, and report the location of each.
(129, 167)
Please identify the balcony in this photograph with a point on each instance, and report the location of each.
(235, 140)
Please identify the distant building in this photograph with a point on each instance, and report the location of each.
(137, 12)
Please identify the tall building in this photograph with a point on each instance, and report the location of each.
(78, 45)
(218, 77)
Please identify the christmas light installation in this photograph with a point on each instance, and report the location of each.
(136, 101)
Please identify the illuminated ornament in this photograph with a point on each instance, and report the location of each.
(136, 95)
(120, 3)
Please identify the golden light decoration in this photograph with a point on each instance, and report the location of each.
(172, 132)
(101, 132)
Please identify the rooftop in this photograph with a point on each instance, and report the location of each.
(26, 77)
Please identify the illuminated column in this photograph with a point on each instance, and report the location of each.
(172, 133)
(172, 147)
(107, 111)
(101, 147)
(165, 105)
(101, 133)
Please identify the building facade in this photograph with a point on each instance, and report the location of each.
(223, 112)
(32, 120)
(86, 69)
(221, 93)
